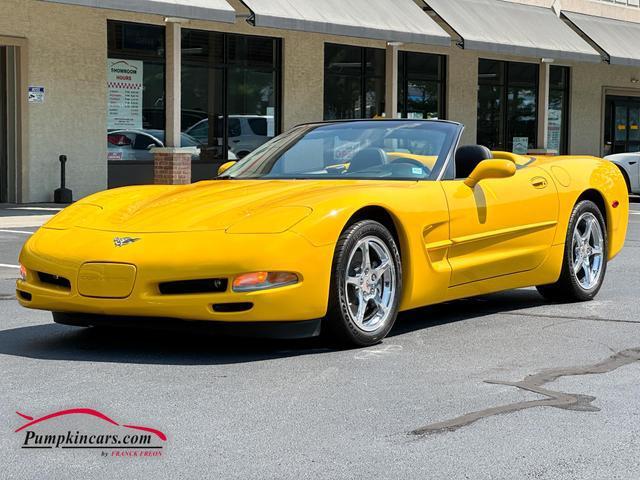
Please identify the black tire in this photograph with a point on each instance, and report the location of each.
(568, 288)
(71, 319)
(339, 323)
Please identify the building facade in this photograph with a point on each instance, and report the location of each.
(112, 89)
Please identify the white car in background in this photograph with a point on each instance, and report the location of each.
(246, 132)
(136, 145)
(629, 164)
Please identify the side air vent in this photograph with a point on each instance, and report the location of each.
(50, 279)
(192, 287)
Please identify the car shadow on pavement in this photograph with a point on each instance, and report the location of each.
(469, 308)
(59, 342)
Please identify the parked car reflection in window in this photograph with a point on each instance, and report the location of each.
(246, 132)
(136, 145)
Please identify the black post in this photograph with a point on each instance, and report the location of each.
(63, 194)
(63, 172)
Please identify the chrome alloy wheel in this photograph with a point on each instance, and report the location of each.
(587, 251)
(370, 284)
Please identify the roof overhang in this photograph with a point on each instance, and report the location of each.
(619, 40)
(213, 10)
(513, 29)
(397, 21)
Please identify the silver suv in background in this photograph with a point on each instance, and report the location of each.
(246, 132)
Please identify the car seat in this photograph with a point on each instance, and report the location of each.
(468, 157)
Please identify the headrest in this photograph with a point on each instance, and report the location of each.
(468, 157)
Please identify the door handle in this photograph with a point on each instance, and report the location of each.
(539, 182)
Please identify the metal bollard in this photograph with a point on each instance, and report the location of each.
(63, 194)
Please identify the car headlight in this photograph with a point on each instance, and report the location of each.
(251, 282)
(72, 216)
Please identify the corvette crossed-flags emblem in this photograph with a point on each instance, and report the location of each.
(121, 242)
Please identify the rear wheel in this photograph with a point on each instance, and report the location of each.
(366, 285)
(585, 257)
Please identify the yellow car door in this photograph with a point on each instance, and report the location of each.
(501, 226)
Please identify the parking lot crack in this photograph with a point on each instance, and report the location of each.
(534, 383)
(567, 317)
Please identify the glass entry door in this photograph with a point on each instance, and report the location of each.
(622, 125)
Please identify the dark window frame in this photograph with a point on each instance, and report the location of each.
(506, 84)
(441, 80)
(226, 65)
(612, 101)
(140, 55)
(4, 160)
(566, 107)
(363, 76)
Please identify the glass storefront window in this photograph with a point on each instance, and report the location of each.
(230, 93)
(507, 105)
(354, 82)
(421, 84)
(558, 116)
(136, 105)
(622, 125)
(143, 45)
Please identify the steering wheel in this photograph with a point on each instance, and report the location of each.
(418, 169)
(410, 161)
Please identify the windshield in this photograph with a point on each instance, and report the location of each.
(378, 149)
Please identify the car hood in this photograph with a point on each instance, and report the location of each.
(238, 206)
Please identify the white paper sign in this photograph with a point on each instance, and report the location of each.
(554, 130)
(36, 94)
(520, 145)
(125, 84)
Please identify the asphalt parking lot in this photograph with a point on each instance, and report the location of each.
(498, 387)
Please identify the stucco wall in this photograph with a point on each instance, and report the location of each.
(66, 61)
(67, 48)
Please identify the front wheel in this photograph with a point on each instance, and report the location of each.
(366, 284)
(585, 257)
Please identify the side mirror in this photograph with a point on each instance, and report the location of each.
(225, 166)
(491, 169)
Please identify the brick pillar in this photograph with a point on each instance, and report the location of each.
(172, 166)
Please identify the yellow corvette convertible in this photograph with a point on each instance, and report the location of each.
(332, 226)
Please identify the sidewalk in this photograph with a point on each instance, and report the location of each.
(27, 215)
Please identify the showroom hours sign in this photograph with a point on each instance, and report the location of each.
(125, 85)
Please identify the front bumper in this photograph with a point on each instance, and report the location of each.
(271, 330)
(171, 257)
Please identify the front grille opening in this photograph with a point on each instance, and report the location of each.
(232, 307)
(26, 296)
(191, 287)
(54, 280)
